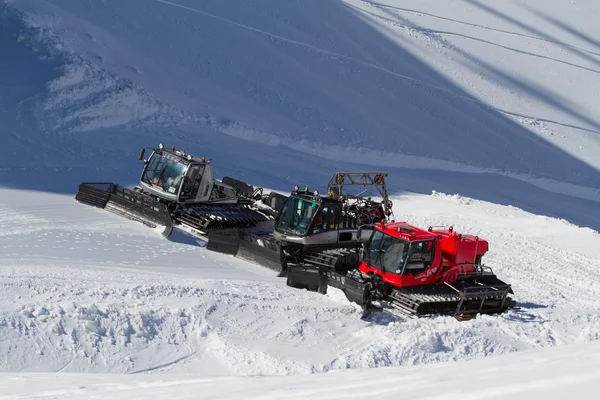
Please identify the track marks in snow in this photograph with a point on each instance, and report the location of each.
(518, 34)
(355, 60)
(438, 39)
(86, 299)
(19, 223)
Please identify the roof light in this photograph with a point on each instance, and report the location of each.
(307, 189)
(316, 193)
(161, 146)
(189, 157)
(203, 159)
(296, 188)
(173, 147)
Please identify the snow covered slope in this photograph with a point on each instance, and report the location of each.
(493, 91)
(84, 290)
(461, 88)
(494, 101)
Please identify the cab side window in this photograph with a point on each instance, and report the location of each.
(326, 219)
(191, 183)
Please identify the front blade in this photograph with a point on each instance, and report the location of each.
(264, 250)
(128, 203)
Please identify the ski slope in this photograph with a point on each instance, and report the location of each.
(305, 94)
(535, 374)
(86, 291)
(485, 115)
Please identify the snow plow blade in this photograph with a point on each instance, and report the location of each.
(128, 203)
(250, 245)
(318, 278)
(226, 242)
(261, 249)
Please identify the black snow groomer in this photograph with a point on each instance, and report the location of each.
(315, 227)
(177, 189)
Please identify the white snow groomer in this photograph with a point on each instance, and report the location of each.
(312, 225)
(177, 189)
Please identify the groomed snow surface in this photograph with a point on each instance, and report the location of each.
(485, 115)
(85, 291)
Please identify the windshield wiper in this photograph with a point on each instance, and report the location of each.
(161, 177)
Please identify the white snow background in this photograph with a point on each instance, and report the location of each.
(484, 113)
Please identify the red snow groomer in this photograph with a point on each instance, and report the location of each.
(415, 271)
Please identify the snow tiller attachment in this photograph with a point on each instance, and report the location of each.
(129, 203)
(177, 189)
(413, 271)
(311, 223)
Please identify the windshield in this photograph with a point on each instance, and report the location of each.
(396, 256)
(296, 216)
(386, 253)
(164, 171)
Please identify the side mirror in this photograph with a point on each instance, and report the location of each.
(142, 152)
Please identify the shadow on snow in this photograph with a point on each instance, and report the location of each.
(357, 88)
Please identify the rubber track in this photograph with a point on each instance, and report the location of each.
(442, 299)
(207, 218)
